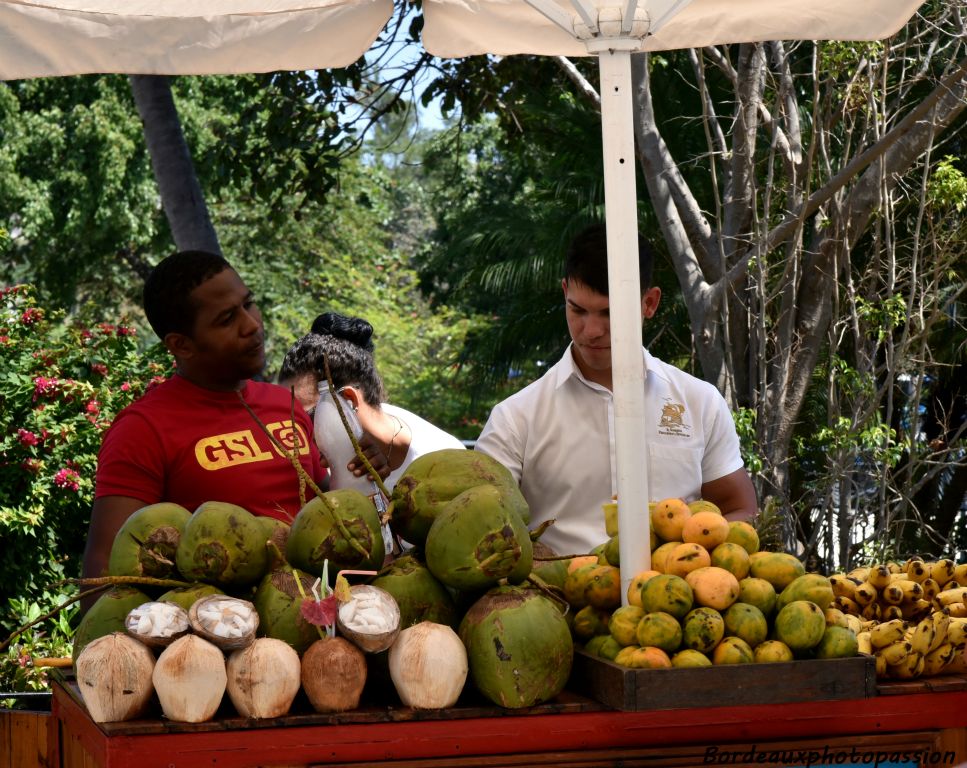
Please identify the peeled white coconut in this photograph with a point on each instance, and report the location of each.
(227, 622)
(114, 677)
(264, 678)
(371, 619)
(428, 666)
(156, 624)
(190, 679)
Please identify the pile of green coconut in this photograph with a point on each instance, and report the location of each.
(218, 605)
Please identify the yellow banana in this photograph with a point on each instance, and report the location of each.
(917, 609)
(847, 605)
(835, 618)
(930, 588)
(854, 623)
(886, 633)
(941, 623)
(881, 667)
(952, 584)
(916, 569)
(923, 635)
(865, 593)
(891, 612)
(894, 566)
(909, 667)
(842, 585)
(937, 659)
(879, 576)
(892, 594)
(912, 590)
(871, 611)
(958, 664)
(957, 610)
(859, 575)
(863, 642)
(960, 574)
(895, 653)
(942, 571)
(957, 631)
(949, 596)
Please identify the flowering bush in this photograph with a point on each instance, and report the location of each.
(62, 380)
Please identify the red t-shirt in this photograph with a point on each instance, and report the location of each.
(185, 444)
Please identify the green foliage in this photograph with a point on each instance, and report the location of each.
(948, 185)
(745, 426)
(50, 639)
(62, 382)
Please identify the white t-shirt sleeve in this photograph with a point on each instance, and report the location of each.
(722, 451)
(501, 440)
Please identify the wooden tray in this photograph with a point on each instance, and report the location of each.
(634, 690)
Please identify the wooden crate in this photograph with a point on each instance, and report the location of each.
(24, 735)
(633, 690)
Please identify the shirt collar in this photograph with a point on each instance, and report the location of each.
(567, 369)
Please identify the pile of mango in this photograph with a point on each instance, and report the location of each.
(712, 597)
(914, 617)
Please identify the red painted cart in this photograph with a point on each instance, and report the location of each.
(919, 722)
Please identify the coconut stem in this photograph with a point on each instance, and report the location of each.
(548, 591)
(304, 477)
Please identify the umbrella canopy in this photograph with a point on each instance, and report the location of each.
(184, 37)
(456, 28)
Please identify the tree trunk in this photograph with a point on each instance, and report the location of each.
(181, 195)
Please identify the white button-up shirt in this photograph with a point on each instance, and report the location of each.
(557, 438)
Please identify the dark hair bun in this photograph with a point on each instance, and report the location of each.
(352, 329)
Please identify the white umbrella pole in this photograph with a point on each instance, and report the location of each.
(625, 305)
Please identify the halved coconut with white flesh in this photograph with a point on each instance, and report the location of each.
(370, 620)
(156, 624)
(228, 622)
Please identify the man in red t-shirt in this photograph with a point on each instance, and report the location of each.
(203, 435)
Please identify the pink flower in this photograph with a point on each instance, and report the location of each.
(125, 330)
(125, 387)
(99, 368)
(155, 381)
(67, 478)
(4, 339)
(93, 407)
(27, 438)
(45, 387)
(86, 334)
(31, 315)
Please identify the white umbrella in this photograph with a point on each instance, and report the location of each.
(65, 37)
(612, 31)
(184, 37)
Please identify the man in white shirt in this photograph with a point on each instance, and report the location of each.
(557, 434)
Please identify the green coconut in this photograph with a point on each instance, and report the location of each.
(551, 572)
(276, 534)
(435, 478)
(478, 539)
(278, 602)
(222, 544)
(519, 647)
(315, 536)
(186, 596)
(146, 543)
(419, 594)
(107, 615)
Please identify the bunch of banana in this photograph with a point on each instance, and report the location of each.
(925, 648)
(909, 591)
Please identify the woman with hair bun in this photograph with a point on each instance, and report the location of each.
(347, 343)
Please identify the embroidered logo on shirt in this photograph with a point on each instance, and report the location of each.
(672, 420)
(236, 448)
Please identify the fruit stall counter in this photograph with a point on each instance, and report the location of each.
(917, 722)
